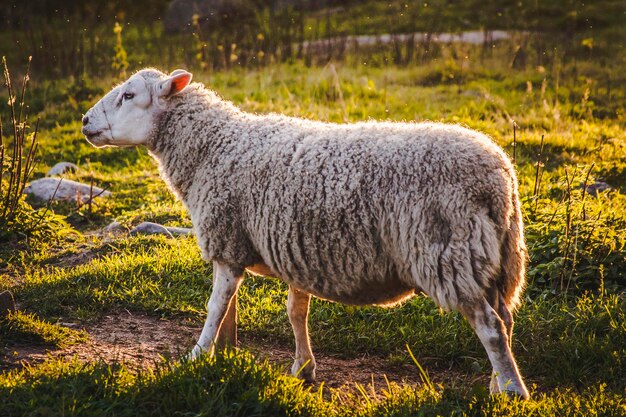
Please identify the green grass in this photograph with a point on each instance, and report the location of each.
(560, 341)
(571, 330)
(21, 328)
(236, 384)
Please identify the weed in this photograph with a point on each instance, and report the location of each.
(18, 160)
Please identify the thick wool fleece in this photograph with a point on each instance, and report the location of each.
(363, 213)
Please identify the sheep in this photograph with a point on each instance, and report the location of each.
(362, 213)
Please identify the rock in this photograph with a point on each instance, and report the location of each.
(114, 228)
(179, 231)
(597, 187)
(149, 228)
(61, 168)
(7, 303)
(61, 189)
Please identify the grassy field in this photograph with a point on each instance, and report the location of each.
(570, 333)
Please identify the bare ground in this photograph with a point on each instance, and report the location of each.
(140, 341)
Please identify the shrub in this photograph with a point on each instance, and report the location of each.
(17, 162)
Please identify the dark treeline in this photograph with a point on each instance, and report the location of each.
(568, 15)
(68, 37)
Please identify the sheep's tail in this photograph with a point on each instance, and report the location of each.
(512, 278)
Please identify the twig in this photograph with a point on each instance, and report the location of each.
(583, 214)
(537, 177)
(48, 204)
(593, 229)
(538, 168)
(514, 143)
(30, 159)
(24, 82)
(568, 224)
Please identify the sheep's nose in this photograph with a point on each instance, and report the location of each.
(85, 120)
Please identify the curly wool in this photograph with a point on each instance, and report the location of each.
(363, 213)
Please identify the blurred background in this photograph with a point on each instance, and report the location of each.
(80, 38)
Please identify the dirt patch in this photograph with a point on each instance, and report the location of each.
(366, 370)
(140, 341)
(337, 372)
(136, 339)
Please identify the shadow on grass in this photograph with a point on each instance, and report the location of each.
(233, 384)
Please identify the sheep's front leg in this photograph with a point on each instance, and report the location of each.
(225, 285)
(298, 311)
(493, 334)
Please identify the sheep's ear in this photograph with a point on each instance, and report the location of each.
(176, 83)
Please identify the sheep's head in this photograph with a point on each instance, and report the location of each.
(127, 115)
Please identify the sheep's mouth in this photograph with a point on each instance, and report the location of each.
(91, 133)
(94, 137)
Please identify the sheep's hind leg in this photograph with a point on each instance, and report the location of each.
(507, 318)
(493, 334)
(298, 311)
(496, 301)
(225, 286)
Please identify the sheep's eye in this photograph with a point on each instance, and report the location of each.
(128, 96)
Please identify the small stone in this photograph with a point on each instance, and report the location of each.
(179, 231)
(114, 227)
(597, 187)
(62, 168)
(7, 303)
(149, 228)
(61, 189)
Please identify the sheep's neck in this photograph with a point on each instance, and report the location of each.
(179, 154)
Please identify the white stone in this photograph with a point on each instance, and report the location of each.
(60, 189)
(149, 228)
(114, 228)
(61, 168)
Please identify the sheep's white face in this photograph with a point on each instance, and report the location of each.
(127, 115)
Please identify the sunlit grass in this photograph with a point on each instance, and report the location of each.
(22, 328)
(235, 384)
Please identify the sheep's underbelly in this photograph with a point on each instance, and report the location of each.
(346, 289)
(387, 293)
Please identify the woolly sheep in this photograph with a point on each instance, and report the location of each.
(363, 213)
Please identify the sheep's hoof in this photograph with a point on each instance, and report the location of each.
(195, 353)
(494, 388)
(521, 395)
(304, 370)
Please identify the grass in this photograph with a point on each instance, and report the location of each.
(170, 279)
(570, 333)
(235, 384)
(21, 328)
